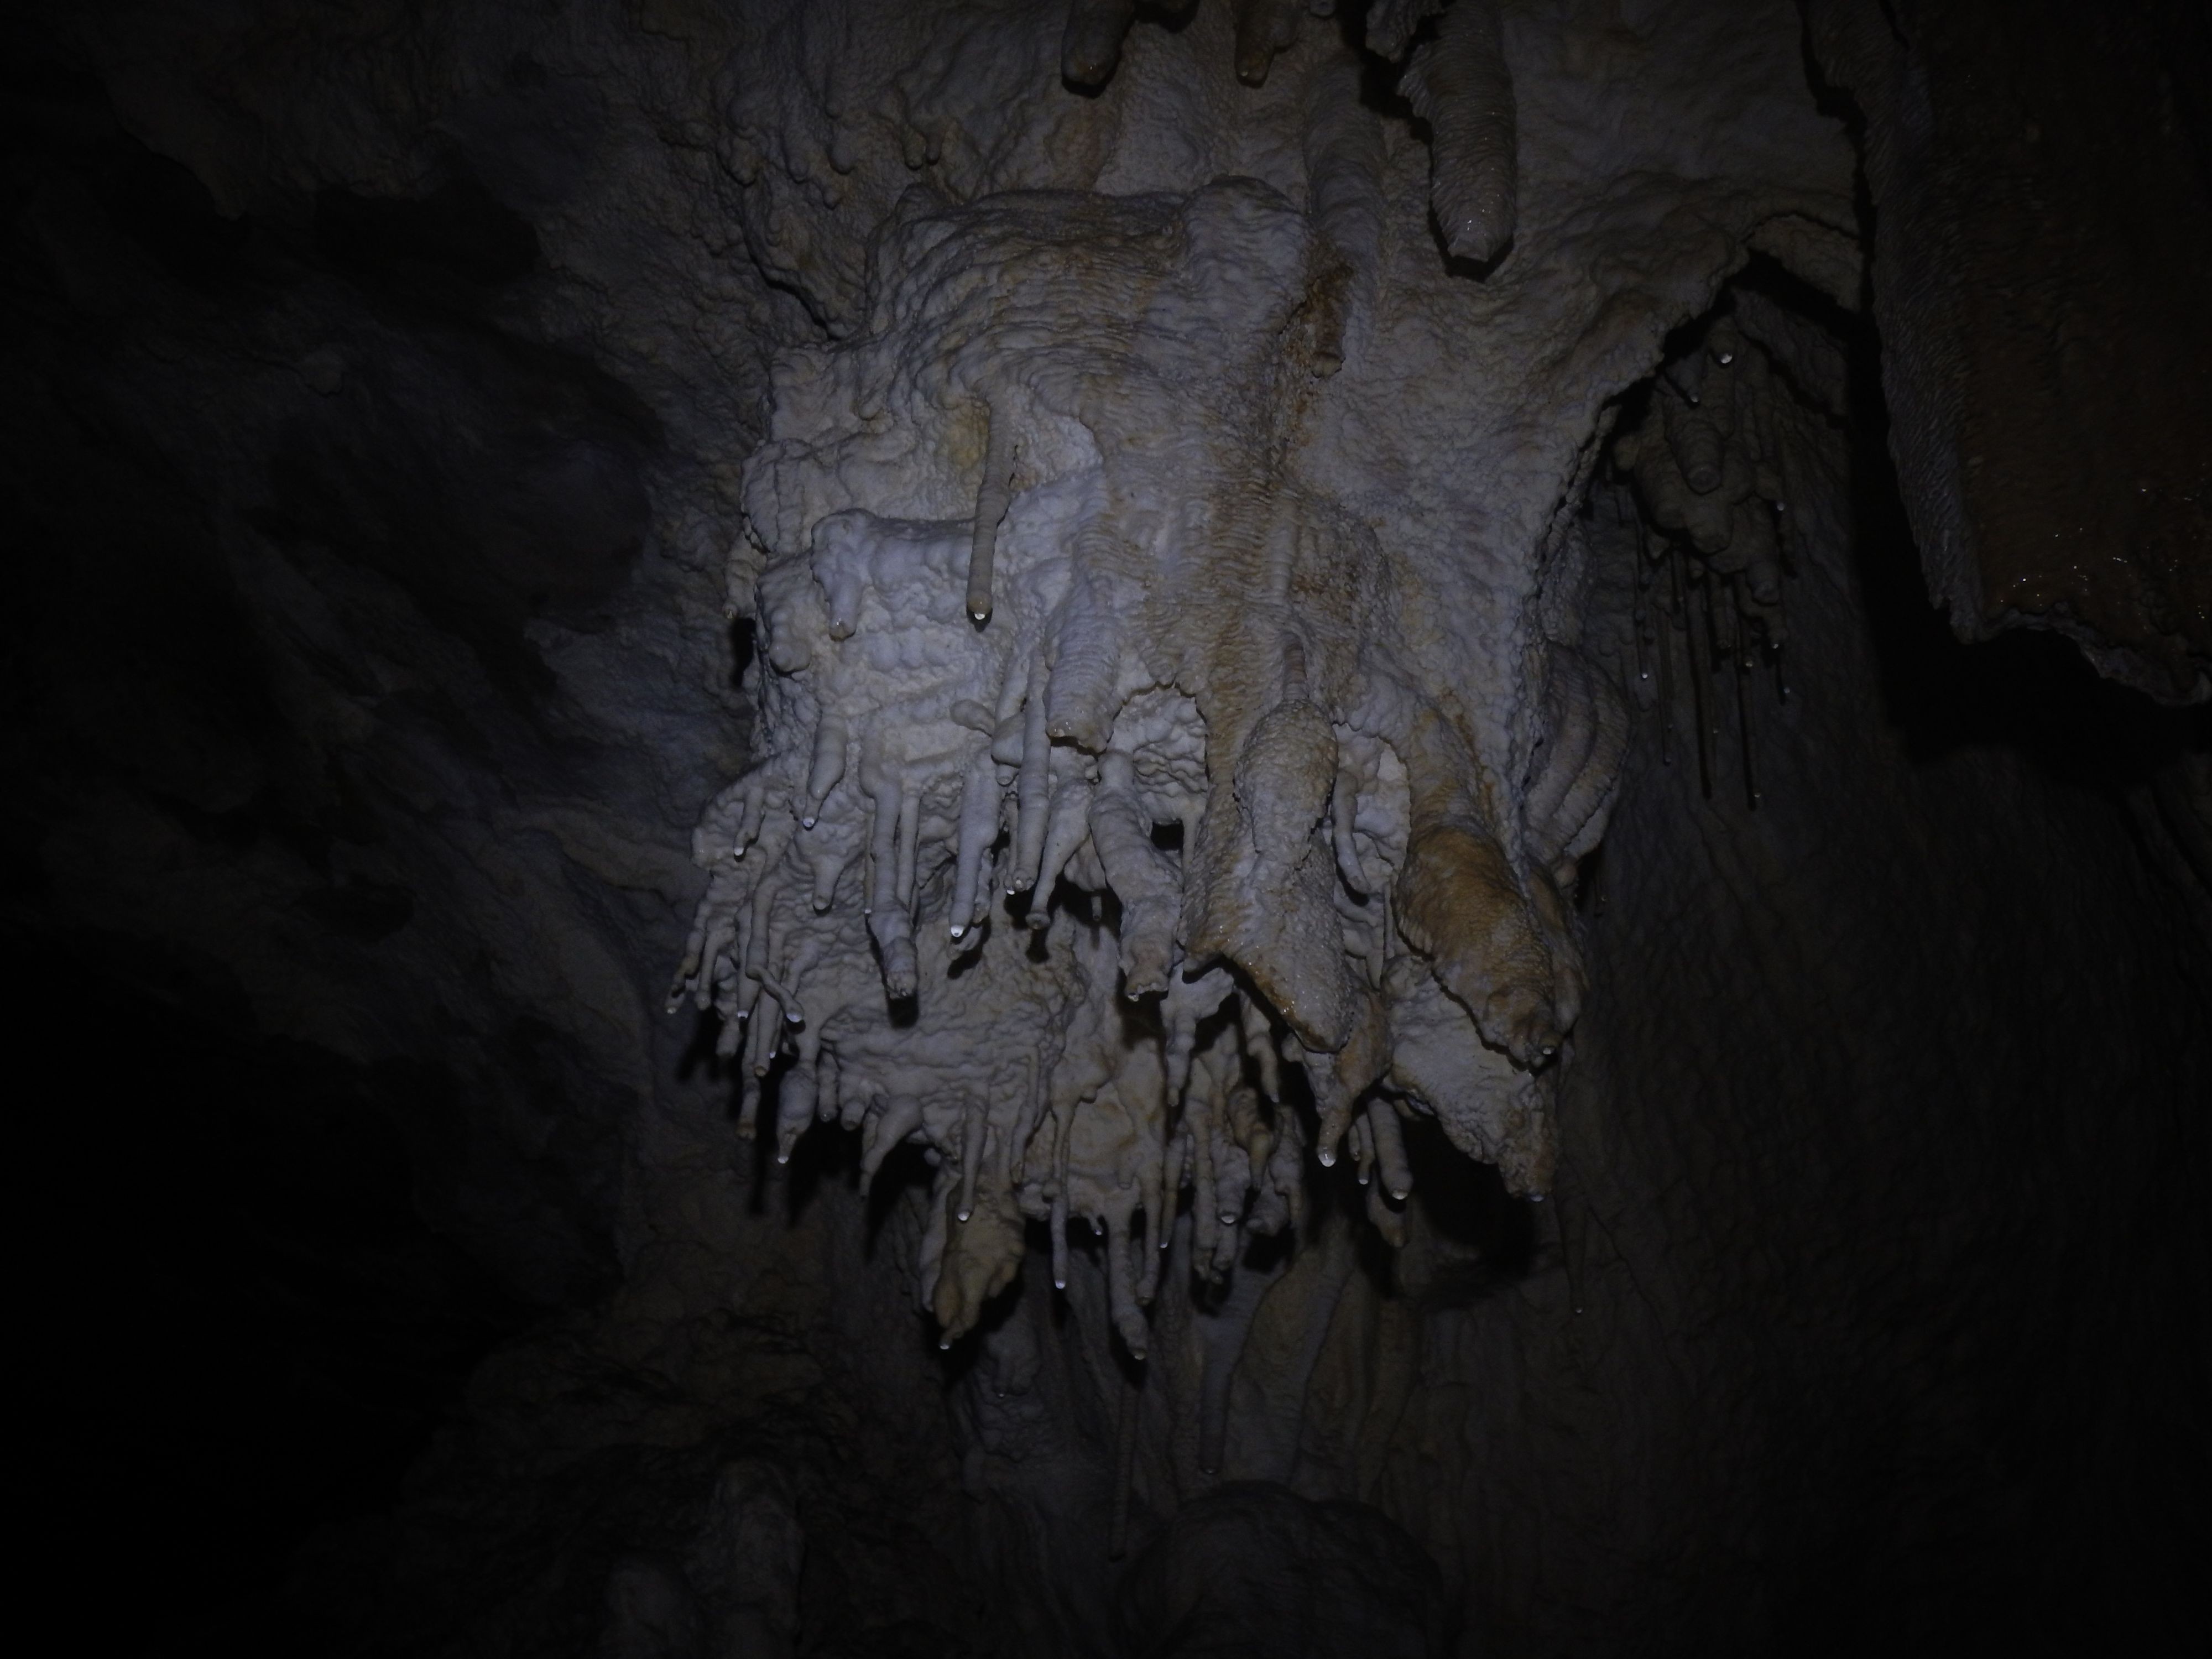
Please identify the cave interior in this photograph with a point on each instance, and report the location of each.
(1428, 782)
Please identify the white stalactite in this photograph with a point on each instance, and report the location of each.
(1092, 656)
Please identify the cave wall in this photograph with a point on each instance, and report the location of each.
(1775, 1224)
(2041, 191)
(380, 393)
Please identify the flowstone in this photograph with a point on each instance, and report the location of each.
(1092, 781)
(1173, 710)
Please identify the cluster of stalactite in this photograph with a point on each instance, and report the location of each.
(1098, 825)
(1454, 75)
(1708, 462)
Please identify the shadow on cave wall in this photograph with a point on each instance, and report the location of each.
(246, 1330)
(1895, 1102)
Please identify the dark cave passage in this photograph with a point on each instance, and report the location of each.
(254, 1335)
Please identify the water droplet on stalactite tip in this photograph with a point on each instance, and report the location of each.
(1398, 1195)
(1059, 1284)
(979, 618)
(783, 1158)
(1535, 1198)
(1229, 1217)
(964, 1214)
(958, 931)
(943, 1344)
(1328, 1159)
(806, 824)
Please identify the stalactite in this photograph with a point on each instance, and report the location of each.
(1459, 85)
(1707, 463)
(1050, 639)
(1389, 25)
(1456, 80)
(1091, 49)
(1264, 29)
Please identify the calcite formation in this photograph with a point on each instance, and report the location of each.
(1091, 787)
(1713, 464)
(1151, 786)
(1457, 82)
